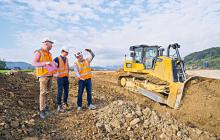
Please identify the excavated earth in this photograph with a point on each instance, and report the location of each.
(120, 114)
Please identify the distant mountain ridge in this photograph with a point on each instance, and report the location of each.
(193, 60)
(113, 67)
(22, 65)
(100, 68)
(197, 59)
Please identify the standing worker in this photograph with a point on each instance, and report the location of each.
(83, 74)
(43, 61)
(62, 79)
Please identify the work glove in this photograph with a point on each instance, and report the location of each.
(88, 50)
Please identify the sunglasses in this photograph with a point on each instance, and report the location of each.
(78, 54)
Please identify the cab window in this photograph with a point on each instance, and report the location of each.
(150, 52)
(138, 55)
(150, 55)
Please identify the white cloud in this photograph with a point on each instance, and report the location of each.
(191, 23)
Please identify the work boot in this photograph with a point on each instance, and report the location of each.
(66, 106)
(92, 107)
(47, 111)
(42, 114)
(60, 109)
(79, 108)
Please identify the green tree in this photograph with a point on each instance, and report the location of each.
(2, 64)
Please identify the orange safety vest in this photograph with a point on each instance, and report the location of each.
(45, 56)
(63, 69)
(84, 69)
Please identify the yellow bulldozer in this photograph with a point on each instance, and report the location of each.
(160, 77)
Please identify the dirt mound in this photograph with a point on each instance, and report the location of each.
(120, 114)
(125, 120)
(18, 105)
(200, 105)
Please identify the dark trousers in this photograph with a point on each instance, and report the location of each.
(62, 84)
(81, 85)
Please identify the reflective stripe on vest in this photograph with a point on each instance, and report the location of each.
(85, 73)
(44, 57)
(63, 70)
(84, 69)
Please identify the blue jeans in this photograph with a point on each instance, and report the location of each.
(81, 85)
(62, 84)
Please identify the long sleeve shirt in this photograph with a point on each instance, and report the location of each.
(76, 72)
(36, 62)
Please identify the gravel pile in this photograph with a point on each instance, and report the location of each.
(125, 120)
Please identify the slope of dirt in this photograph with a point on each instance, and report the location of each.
(201, 104)
(199, 107)
(18, 105)
(120, 114)
(127, 120)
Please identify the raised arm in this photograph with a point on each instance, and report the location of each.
(91, 53)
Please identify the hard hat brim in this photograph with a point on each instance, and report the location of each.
(65, 51)
(48, 41)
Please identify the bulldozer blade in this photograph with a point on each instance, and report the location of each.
(152, 95)
(182, 90)
(134, 87)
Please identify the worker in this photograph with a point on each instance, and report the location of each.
(62, 79)
(83, 75)
(44, 71)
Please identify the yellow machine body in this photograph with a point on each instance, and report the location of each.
(163, 68)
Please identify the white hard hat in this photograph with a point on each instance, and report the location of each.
(65, 49)
(46, 39)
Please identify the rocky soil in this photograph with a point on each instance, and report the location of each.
(126, 120)
(120, 114)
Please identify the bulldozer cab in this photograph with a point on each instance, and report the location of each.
(160, 77)
(145, 55)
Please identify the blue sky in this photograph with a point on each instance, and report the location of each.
(108, 27)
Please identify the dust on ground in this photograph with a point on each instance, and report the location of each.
(199, 107)
(120, 114)
(215, 74)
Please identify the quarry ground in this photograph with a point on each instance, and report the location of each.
(120, 114)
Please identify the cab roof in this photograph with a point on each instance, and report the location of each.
(143, 46)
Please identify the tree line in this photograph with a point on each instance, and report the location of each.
(198, 59)
(2, 64)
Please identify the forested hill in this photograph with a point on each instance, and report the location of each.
(210, 56)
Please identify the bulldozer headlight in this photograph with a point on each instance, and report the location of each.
(128, 65)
